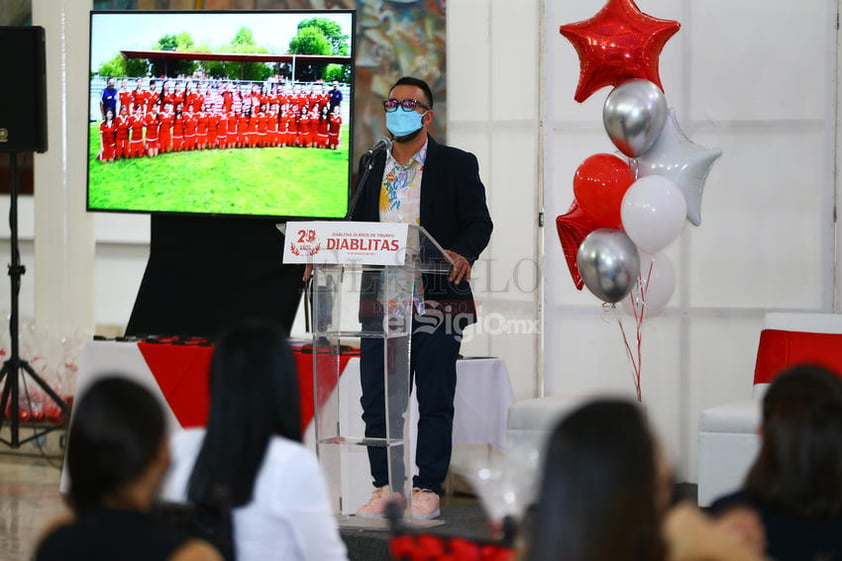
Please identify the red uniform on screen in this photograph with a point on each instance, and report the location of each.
(153, 96)
(233, 137)
(261, 129)
(124, 122)
(333, 129)
(165, 130)
(213, 124)
(125, 97)
(242, 130)
(313, 137)
(139, 97)
(292, 130)
(153, 124)
(272, 127)
(324, 123)
(284, 127)
(189, 100)
(251, 137)
(222, 130)
(190, 122)
(108, 138)
(178, 132)
(201, 130)
(136, 134)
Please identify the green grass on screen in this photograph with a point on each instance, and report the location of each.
(277, 181)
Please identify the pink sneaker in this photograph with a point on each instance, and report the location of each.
(376, 505)
(425, 504)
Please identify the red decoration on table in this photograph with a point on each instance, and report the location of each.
(573, 227)
(181, 372)
(618, 44)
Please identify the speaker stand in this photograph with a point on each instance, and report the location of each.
(15, 367)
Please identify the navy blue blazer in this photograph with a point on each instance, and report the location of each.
(453, 211)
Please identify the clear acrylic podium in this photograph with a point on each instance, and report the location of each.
(353, 301)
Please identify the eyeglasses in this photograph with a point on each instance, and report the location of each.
(392, 104)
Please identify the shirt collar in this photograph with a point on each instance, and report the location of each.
(420, 157)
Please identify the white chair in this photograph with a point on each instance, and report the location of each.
(728, 437)
(530, 421)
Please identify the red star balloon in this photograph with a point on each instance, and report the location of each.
(573, 227)
(618, 44)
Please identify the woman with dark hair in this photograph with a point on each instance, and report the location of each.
(251, 453)
(597, 499)
(795, 483)
(116, 457)
(605, 496)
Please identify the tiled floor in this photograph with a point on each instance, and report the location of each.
(29, 501)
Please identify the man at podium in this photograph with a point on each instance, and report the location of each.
(419, 181)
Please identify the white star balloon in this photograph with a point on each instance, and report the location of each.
(678, 158)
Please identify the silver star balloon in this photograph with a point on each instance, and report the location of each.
(686, 163)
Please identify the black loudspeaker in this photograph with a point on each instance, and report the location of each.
(23, 96)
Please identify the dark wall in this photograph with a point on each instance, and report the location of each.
(206, 273)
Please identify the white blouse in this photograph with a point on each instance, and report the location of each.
(289, 516)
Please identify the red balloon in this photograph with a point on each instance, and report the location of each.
(620, 43)
(573, 228)
(599, 185)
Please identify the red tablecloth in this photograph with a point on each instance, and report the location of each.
(181, 372)
(780, 349)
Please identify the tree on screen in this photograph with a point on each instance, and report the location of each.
(331, 31)
(179, 42)
(120, 66)
(309, 41)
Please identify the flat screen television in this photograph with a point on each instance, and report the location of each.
(237, 113)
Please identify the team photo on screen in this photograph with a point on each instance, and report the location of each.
(239, 129)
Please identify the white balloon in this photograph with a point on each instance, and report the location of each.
(653, 212)
(678, 158)
(654, 288)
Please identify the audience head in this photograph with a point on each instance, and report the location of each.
(799, 467)
(603, 489)
(254, 396)
(117, 437)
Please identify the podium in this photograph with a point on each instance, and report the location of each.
(366, 285)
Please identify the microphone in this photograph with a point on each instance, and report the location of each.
(382, 144)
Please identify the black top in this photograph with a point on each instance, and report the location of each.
(790, 538)
(106, 535)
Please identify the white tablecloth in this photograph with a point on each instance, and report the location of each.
(483, 397)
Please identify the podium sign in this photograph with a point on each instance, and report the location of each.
(359, 243)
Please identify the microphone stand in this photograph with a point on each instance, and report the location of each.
(14, 364)
(360, 187)
(308, 288)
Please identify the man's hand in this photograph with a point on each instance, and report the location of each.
(308, 272)
(461, 268)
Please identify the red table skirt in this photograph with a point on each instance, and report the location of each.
(181, 372)
(781, 349)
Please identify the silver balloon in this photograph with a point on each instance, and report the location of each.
(609, 263)
(634, 114)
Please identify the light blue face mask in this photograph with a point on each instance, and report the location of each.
(402, 123)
